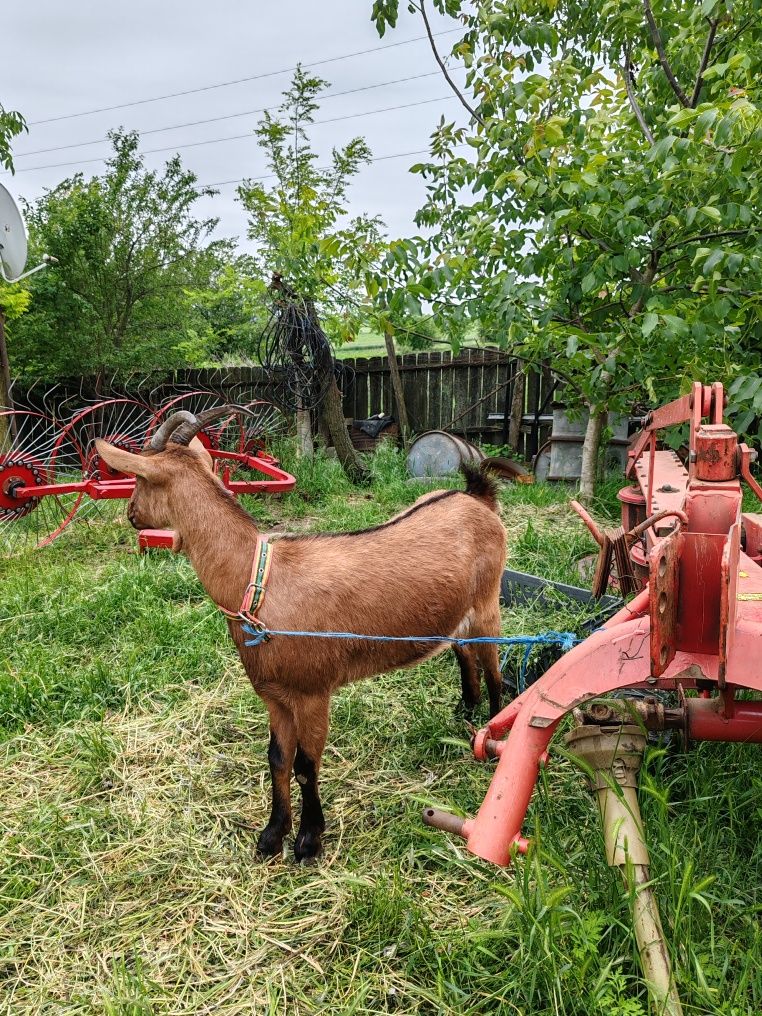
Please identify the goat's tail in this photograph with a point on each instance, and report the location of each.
(479, 484)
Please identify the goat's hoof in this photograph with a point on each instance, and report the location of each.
(308, 845)
(466, 709)
(270, 843)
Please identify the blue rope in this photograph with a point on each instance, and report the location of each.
(565, 639)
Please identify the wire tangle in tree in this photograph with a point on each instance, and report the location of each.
(297, 357)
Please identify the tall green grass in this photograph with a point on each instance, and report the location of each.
(135, 778)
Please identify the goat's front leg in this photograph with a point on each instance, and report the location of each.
(280, 755)
(312, 730)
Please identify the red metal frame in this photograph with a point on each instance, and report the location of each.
(116, 486)
(697, 622)
(280, 481)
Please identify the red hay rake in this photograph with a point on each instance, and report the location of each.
(696, 623)
(51, 473)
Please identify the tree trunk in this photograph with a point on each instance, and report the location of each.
(347, 454)
(332, 410)
(590, 449)
(399, 395)
(6, 401)
(304, 443)
(517, 410)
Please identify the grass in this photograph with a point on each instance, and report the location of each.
(367, 343)
(135, 778)
(370, 343)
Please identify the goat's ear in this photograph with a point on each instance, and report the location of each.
(197, 447)
(127, 462)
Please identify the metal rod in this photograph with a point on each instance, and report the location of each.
(614, 754)
(444, 820)
(705, 722)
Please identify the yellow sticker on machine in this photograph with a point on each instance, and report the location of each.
(749, 596)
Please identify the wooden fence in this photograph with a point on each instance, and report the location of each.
(469, 394)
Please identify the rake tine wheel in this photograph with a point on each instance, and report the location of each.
(35, 450)
(120, 421)
(265, 423)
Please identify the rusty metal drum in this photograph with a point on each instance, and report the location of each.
(437, 453)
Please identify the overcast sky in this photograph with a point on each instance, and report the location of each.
(67, 58)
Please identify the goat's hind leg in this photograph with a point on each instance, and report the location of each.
(469, 677)
(312, 730)
(488, 657)
(489, 662)
(280, 755)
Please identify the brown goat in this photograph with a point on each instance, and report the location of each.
(434, 569)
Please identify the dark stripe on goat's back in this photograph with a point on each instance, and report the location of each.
(381, 525)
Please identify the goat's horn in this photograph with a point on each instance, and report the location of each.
(185, 433)
(170, 427)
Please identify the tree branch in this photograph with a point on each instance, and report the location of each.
(705, 236)
(627, 72)
(704, 61)
(646, 280)
(655, 35)
(728, 40)
(443, 68)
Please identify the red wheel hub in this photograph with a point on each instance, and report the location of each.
(254, 445)
(19, 470)
(210, 439)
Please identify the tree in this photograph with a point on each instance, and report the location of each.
(601, 206)
(304, 238)
(14, 301)
(11, 125)
(231, 310)
(130, 252)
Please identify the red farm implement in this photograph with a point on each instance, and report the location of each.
(693, 629)
(696, 623)
(51, 474)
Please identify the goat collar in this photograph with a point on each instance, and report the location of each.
(254, 596)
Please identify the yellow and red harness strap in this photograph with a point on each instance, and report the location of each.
(254, 596)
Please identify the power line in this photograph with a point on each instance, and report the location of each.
(376, 158)
(235, 81)
(238, 137)
(227, 116)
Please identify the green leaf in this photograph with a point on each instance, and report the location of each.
(683, 117)
(662, 148)
(675, 324)
(589, 282)
(704, 122)
(712, 261)
(650, 321)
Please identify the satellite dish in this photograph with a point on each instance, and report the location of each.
(14, 243)
(13, 238)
